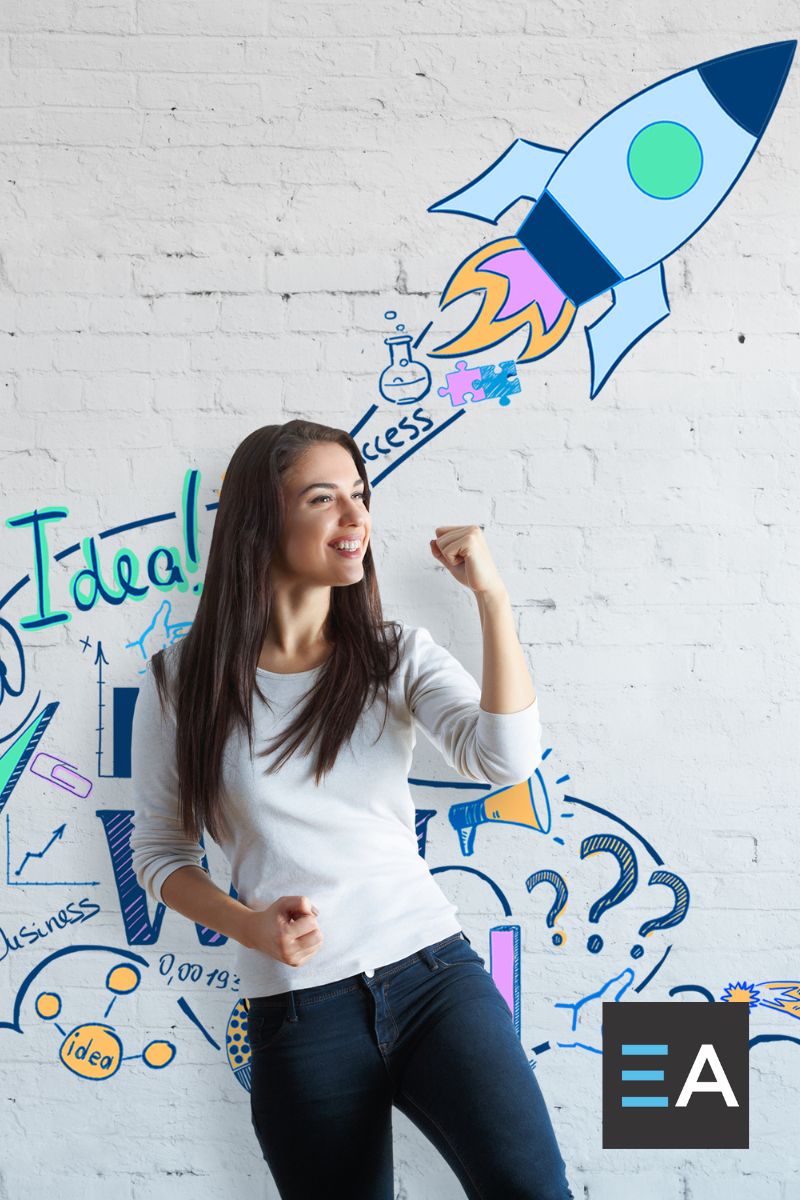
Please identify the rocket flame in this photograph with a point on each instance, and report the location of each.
(517, 292)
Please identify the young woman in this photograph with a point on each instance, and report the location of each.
(263, 727)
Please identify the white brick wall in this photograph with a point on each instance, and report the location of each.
(206, 208)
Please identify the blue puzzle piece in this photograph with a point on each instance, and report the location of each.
(500, 382)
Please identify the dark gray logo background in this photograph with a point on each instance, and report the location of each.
(707, 1121)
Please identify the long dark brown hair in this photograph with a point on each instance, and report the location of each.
(216, 660)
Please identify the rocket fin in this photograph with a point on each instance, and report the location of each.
(639, 304)
(521, 172)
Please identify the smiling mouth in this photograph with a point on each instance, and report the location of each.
(347, 553)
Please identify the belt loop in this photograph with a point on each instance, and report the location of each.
(427, 956)
(292, 1007)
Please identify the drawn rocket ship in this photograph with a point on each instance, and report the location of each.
(636, 186)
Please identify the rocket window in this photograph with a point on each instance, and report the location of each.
(665, 160)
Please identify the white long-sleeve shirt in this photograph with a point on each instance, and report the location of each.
(349, 844)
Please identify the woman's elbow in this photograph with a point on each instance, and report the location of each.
(516, 768)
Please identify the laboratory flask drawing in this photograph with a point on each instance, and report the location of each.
(404, 380)
(633, 189)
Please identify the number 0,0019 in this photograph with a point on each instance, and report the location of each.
(192, 971)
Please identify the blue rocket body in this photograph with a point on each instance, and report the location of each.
(607, 213)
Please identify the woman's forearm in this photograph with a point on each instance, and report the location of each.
(507, 685)
(191, 892)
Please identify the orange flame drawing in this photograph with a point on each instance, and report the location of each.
(517, 292)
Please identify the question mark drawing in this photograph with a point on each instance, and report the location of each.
(675, 914)
(609, 843)
(559, 904)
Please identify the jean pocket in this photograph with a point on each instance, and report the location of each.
(458, 953)
(265, 1025)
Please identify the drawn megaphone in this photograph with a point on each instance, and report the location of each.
(524, 803)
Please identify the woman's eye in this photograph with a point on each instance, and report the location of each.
(316, 499)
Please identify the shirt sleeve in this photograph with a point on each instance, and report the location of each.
(501, 748)
(158, 843)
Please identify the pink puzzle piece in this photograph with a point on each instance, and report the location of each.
(463, 384)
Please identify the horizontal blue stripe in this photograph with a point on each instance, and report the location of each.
(632, 1048)
(628, 1076)
(645, 1101)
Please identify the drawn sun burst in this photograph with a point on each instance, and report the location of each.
(740, 993)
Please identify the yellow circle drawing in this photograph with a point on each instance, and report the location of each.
(92, 1051)
(123, 980)
(158, 1054)
(48, 1005)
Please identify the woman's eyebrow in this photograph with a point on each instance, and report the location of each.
(309, 486)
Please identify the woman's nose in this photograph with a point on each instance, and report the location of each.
(353, 514)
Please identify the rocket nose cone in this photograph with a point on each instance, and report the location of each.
(747, 84)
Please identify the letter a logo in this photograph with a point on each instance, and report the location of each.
(707, 1054)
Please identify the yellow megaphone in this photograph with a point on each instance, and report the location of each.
(515, 805)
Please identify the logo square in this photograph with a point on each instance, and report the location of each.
(675, 1076)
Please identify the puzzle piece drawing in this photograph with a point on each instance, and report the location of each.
(500, 382)
(463, 384)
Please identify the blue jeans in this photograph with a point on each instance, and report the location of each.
(430, 1034)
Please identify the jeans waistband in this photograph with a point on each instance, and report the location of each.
(311, 995)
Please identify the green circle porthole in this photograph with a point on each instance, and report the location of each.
(665, 160)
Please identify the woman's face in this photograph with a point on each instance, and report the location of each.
(324, 497)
